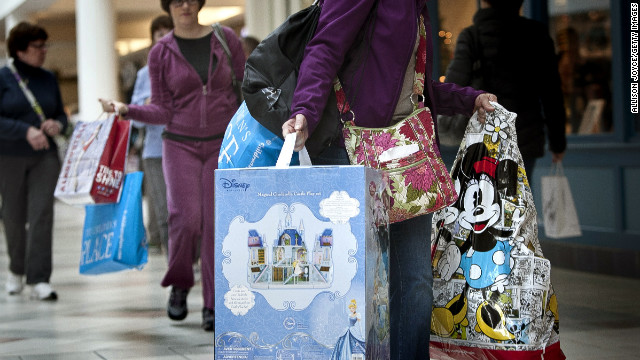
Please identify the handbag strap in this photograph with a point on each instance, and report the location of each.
(418, 82)
(27, 93)
(219, 33)
(556, 169)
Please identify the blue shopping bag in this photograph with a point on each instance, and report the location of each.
(113, 238)
(248, 144)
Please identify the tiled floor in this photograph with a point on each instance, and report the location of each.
(122, 315)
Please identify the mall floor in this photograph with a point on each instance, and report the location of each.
(122, 315)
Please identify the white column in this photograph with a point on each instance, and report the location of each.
(263, 16)
(97, 60)
(278, 13)
(257, 18)
(296, 5)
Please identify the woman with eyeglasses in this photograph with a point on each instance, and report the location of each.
(31, 113)
(193, 95)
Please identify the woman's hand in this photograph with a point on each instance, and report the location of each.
(297, 125)
(483, 105)
(37, 139)
(51, 127)
(114, 106)
(557, 157)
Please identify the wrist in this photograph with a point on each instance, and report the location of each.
(123, 110)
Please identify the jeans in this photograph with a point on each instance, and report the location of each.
(410, 278)
(529, 165)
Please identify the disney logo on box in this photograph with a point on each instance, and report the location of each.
(233, 184)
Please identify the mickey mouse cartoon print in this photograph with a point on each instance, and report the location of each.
(484, 256)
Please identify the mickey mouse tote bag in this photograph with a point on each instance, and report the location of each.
(493, 297)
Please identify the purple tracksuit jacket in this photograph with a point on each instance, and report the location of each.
(384, 68)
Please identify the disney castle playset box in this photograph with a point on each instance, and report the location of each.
(301, 264)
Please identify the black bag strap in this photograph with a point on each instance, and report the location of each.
(219, 32)
(185, 138)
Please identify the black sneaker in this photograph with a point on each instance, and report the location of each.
(208, 318)
(177, 306)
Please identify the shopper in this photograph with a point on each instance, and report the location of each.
(156, 191)
(192, 94)
(31, 113)
(514, 58)
(381, 82)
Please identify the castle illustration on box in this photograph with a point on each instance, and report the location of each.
(288, 264)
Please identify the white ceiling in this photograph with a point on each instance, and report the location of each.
(124, 7)
(64, 10)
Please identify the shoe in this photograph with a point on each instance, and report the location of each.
(43, 291)
(208, 318)
(177, 306)
(14, 284)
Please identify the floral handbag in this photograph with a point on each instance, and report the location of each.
(419, 182)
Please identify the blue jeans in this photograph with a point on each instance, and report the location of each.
(410, 278)
(529, 165)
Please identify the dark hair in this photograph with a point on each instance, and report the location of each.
(508, 5)
(21, 35)
(166, 3)
(161, 22)
(249, 43)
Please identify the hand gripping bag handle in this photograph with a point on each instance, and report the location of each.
(284, 159)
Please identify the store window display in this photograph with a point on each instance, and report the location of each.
(582, 33)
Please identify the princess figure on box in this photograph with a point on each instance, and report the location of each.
(352, 342)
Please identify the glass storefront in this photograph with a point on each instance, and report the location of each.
(581, 30)
(453, 17)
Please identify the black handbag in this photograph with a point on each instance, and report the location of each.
(271, 71)
(271, 75)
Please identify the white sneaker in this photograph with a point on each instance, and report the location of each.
(43, 291)
(14, 284)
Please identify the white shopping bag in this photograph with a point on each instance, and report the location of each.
(558, 209)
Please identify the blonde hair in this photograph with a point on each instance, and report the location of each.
(353, 304)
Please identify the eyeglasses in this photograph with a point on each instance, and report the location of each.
(179, 3)
(39, 46)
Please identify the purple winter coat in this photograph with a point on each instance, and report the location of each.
(179, 100)
(384, 69)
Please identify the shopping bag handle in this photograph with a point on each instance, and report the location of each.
(557, 169)
(284, 159)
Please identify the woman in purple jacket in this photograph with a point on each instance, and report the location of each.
(193, 95)
(383, 81)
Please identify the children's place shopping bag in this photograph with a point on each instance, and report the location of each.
(93, 168)
(113, 237)
(301, 263)
(249, 144)
(493, 297)
(558, 210)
